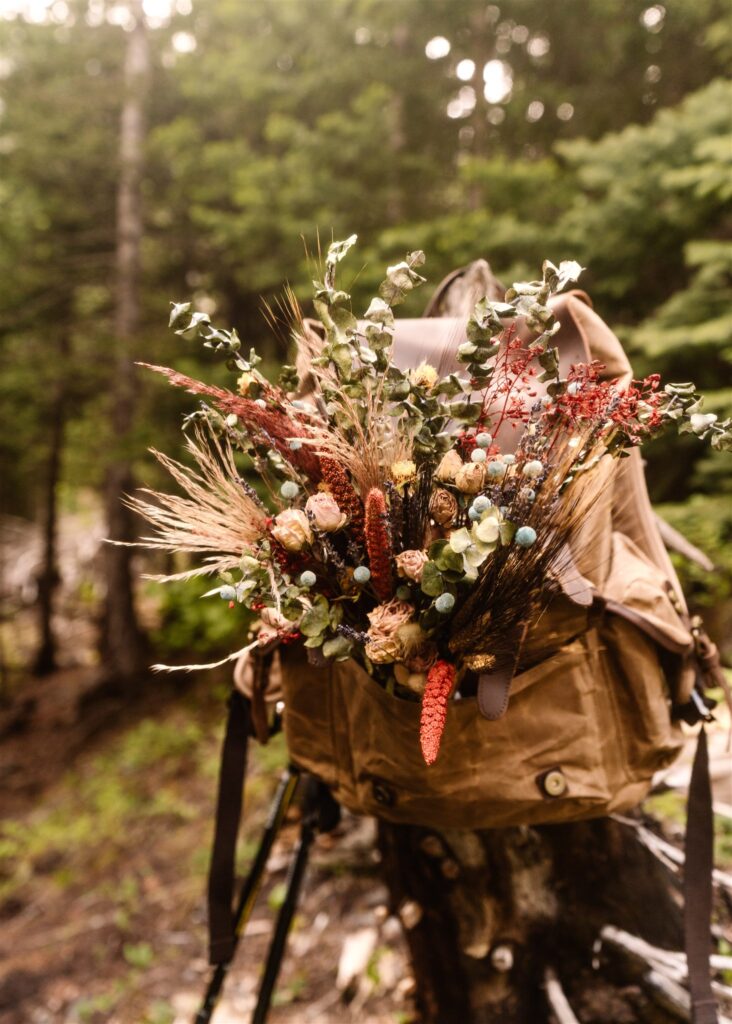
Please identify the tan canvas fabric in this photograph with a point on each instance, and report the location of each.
(591, 711)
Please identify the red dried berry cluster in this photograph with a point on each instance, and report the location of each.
(590, 398)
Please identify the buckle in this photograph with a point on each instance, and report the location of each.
(703, 706)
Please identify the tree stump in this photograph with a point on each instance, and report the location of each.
(500, 924)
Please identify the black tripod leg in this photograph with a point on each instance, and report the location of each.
(280, 804)
(284, 920)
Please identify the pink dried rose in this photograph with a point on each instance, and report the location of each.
(292, 529)
(443, 507)
(326, 514)
(410, 564)
(386, 618)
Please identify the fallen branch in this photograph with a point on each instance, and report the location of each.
(668, 969)
(667, 853)
(557, 1000)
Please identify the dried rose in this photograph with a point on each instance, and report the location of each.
(410, 564)
(383, 650)
(292, 529)
(423, 659)
(449, 466)
(443, 507)
(386, 618)
(326, 514)
(470, 477)
(424, 376)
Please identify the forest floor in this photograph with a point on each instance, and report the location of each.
(107, 812)
(104, 844)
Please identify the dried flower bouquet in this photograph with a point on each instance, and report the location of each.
(413, 521)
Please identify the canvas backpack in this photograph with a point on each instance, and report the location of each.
(593, 711)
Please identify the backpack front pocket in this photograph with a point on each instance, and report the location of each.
(545, 760)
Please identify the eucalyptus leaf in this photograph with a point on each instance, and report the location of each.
(315, 620)
(449, 560)
(431, 582)
(337, 250)
(178, 312)
(338, 648)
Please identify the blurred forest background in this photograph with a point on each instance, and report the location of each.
(181, 150)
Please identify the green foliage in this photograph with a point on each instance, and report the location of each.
(187, 622)
(706, 520)
(138, 954)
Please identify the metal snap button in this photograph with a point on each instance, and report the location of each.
(554, 782)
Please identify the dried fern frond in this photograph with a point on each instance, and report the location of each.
(219, 516)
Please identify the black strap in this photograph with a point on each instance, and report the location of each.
(698, 886)
(221, 923)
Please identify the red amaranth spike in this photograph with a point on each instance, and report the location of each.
(440, 681)
(335, 476)
(378, 543)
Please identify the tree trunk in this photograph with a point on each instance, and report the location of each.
(498, 922)
(489, 916)
(48, 576)
(123, 647)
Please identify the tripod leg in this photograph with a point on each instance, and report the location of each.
(284, 920)
(282, 800)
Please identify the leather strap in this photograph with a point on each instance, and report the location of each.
(221, 923)
(493, 692)
(698, 886)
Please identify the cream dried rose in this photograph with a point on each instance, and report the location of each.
(383, 650)
(326, 514)
(386, 618)
(292, 529)
(410, 564)
(443, 507)
(449, 466)
(470, 477)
